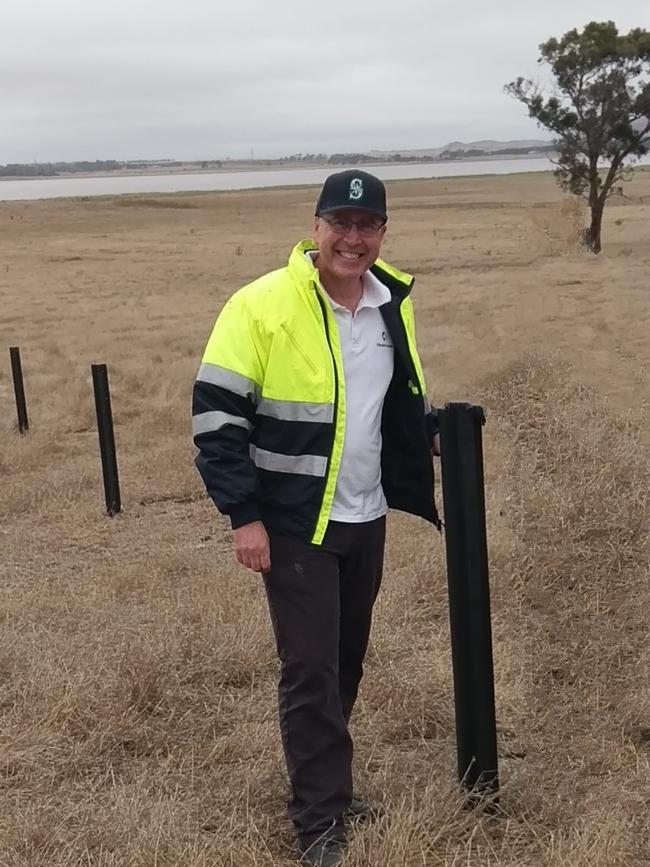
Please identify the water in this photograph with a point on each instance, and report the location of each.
(50, 188)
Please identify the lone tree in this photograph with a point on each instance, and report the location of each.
(599, 109)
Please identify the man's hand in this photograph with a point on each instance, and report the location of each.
(435, 448)
(252, 546)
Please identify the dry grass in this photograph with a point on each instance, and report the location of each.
(137, 667)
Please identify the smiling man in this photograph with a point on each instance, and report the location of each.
(311, 419)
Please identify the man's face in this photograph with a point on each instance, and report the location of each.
(348, 241)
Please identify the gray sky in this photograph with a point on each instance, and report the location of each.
(93, 79)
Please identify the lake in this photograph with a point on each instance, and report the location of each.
(50, 188)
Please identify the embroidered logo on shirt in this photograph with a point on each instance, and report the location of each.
(384, 341)
(356, 189)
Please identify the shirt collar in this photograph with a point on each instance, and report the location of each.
(374, 292)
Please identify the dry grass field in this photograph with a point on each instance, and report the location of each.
(137, 670)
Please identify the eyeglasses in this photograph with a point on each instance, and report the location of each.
(366, 228)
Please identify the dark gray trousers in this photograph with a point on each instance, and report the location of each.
(320, 600)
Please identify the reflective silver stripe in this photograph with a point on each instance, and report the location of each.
(306, 465)
(209, 422)
(294, 410)
(234, 382)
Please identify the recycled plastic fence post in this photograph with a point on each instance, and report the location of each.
(469, 596)
(106, 439)
(19, 389)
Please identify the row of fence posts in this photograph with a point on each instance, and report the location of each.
(467, 569)
(104, 425)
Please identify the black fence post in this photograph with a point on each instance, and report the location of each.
(19, 389)
(469, 595)
(106, 439)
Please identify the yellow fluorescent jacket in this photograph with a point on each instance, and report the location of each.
(269, 404)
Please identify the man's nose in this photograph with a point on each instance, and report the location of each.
(352, 229)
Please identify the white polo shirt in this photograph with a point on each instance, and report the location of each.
(368, 360)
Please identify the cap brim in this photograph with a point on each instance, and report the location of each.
(331, 210)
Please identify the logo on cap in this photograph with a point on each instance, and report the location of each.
(356, 189)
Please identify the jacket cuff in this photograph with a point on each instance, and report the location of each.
(244, 514)
(433, 427)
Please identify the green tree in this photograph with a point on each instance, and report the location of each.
(598, 108)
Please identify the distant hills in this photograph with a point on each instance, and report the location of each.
(484, 147)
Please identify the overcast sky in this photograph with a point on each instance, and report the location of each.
(201, 79)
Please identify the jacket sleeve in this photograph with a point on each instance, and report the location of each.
(225, 396)
(430, 412)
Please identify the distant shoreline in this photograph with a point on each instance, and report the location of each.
(261, 166)
(188, 182)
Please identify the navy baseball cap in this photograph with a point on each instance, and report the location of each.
(352, 189)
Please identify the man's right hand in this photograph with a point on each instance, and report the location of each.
(252, 547)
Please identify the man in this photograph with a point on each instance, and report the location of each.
(311, 419)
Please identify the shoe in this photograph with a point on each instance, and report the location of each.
(325, 853)
(362, 811)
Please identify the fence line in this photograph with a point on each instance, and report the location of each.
(467, 569)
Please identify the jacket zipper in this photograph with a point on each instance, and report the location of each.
(321, 304)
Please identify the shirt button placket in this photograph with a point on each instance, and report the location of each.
(354, 330)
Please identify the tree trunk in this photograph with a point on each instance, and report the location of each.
(593, 232)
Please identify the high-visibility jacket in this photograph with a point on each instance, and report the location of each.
(269, 404)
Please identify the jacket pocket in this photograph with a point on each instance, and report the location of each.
(302, 352)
